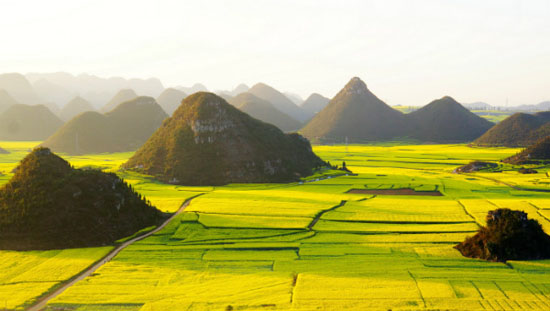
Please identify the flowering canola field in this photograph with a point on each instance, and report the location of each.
(313, 245)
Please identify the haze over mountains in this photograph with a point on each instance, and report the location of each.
(279, 101)
(6, 101)
(545, 105)
(170, 99)
(265, 111)
(95, 89)
(23, 122)
(125, 128)
(315, 103)
(355, 113)
(209, 142)
(120, 97)
(75, 107)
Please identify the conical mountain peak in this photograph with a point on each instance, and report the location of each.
(210, 142)
(356, 85)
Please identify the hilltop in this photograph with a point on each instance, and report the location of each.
(315, 103)
(444, 121)
(279, 101)
(209, 142)
(241, 88)
(6, 101)
(125, 128)
(119, 98)
(197, 87)
(263, 110)
(48, 204)
(357, 114)
(536, 153)
(518, 130)
(23, 122)
(19, 88)
(75, 107)
(170, 99)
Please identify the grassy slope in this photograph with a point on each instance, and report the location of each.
(222, 251)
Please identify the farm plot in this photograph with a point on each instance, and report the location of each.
(314, 246)
(24, 276)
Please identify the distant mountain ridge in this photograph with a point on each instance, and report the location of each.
(24, 122)
(75, 107)
(125, 128)
(197, 87)
(170, 99)
(19, 89)
(6, 100)
(94, 89)
(279, 101)
(265, 111)
(120, 97)
(315, 103)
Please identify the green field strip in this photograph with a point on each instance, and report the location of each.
(360, 227)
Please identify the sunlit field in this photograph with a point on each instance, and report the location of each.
(308, 245)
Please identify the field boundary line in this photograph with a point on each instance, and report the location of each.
(41, 302)
(318, 216)
(468, 213)
(417, 287)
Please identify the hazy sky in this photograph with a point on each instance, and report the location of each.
(408, 52)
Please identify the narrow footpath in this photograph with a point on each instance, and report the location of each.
(41, 303)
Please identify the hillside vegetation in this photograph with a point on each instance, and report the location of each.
(518, 130)
(48, 204)
(357, 114)
(209, 142)
(445, 120)
(538, 153)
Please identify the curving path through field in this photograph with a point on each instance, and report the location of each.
(41, 303)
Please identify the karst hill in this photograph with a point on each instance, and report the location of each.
(48, 204)
(209, 142)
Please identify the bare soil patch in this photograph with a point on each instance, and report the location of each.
(404, 191)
